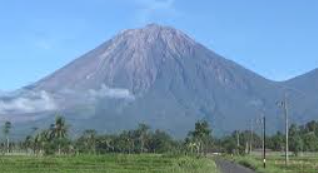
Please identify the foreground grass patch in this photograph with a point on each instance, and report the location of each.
(115, 163)
(276, 164)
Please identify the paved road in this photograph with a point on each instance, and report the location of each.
(229, 167)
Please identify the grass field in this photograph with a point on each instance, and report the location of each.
(106, 164)
(276, 164)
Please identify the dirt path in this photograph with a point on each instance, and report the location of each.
(229, 167)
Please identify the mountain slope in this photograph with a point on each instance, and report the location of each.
(307, 83)
(176, 80)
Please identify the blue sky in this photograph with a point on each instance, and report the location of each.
(275, 38)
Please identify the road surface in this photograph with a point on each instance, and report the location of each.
(229, 167)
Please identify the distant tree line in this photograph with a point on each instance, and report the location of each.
(302, 138)
(56, 140)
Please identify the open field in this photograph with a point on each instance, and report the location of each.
(115, 163)
(276, 164)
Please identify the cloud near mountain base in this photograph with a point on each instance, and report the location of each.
(28, 101)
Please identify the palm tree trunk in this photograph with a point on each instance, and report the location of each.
(34, 149)
(8, 144)
(59, 143)
(94, 147)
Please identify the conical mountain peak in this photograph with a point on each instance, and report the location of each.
(173, 81)
(136, 58)
(154, 33)
(155, 26)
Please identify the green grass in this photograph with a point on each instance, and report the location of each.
(276, 164)
(115, 163)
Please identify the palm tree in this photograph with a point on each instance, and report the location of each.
(41, 140)
(27, 143)
(34, 129)
(201, 135)
(142, 132)
(6, 130)
(129, 140)
(90, 136)
(60, 131)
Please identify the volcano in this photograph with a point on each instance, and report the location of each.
(156, 75)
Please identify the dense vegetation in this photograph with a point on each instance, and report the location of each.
(303, 138)
(303, 144)
(56, 140)
(139, 150)
(125, 151)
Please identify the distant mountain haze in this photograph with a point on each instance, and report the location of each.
(307, 83)
(160, 76)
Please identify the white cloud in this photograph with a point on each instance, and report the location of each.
(13, 105)
(107, 92)
(92, 95)
(27, 102)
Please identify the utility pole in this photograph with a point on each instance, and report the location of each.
(238, 141)
(286, 130)
(250, 147)
(284, 105)
(264, 142)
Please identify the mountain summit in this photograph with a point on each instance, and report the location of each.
(156, 75)
(131, 60)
